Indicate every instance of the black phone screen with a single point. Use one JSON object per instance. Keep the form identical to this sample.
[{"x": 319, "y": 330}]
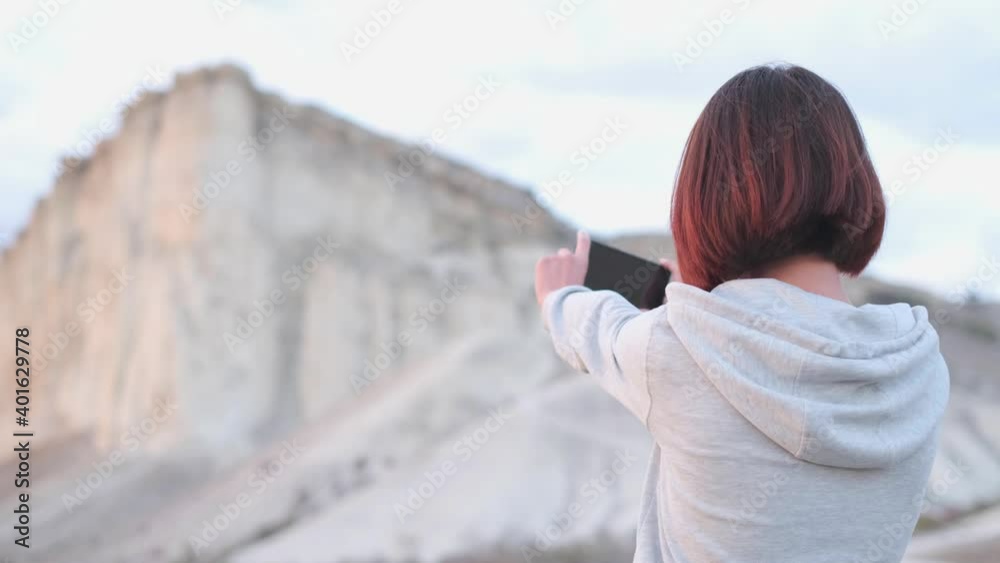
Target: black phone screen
[{"x": 639, "y": 281}]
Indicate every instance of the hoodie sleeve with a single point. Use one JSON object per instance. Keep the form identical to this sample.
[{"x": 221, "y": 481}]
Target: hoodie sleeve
[{"x": 600, "y": 333}]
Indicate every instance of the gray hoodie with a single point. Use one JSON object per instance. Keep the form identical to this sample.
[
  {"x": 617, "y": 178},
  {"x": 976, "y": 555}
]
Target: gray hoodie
[{"x": 787, "y": 426}]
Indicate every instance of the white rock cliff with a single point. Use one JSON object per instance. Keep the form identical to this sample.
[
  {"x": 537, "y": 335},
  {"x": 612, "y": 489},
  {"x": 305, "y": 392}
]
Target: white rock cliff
[{"x": 249, "y": 347}]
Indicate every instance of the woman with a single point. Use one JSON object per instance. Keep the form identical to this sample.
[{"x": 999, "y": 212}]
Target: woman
[{"x": 789, "y": 424}]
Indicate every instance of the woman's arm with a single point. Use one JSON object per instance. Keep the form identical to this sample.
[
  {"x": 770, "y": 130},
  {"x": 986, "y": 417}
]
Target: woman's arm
[
  {"x": 602, "y": 334},
  {"x": 596, "y": 332}
]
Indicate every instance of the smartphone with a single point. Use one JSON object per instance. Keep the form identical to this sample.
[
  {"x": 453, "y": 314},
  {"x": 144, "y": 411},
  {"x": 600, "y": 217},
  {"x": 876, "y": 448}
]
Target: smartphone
[{"x": 639, "y": 281}]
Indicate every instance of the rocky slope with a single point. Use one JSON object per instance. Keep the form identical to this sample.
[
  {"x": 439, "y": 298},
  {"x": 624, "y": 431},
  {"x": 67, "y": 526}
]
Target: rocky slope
[{"x": 250, "y": 348}]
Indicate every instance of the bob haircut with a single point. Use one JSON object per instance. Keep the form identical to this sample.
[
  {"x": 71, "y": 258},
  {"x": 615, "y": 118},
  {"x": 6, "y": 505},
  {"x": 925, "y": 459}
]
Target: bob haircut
[{"x": 776, "y": 166}]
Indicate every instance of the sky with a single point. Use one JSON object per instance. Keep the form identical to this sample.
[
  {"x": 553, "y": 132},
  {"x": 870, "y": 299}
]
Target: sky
[{"x": 598, "y": 93}]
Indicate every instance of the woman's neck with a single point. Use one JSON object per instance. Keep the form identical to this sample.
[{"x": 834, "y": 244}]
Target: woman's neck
[{"x": 810, "y": 273}]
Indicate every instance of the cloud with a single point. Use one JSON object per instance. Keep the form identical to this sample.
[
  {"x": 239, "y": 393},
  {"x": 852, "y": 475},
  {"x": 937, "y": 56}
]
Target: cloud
[{"x": 559, "y": 84}]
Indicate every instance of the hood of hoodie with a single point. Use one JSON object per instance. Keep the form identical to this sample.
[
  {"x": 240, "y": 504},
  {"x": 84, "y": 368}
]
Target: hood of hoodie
[{"x": 831, "y": 383}]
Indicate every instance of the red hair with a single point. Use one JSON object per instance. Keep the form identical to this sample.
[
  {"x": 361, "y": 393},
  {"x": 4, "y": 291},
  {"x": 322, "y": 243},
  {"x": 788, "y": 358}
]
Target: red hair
[{"x": 776, "y": 166}]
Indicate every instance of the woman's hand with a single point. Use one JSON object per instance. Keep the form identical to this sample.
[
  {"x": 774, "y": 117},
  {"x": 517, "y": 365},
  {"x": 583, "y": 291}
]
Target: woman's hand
[{"x": 562, "y": 269}]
